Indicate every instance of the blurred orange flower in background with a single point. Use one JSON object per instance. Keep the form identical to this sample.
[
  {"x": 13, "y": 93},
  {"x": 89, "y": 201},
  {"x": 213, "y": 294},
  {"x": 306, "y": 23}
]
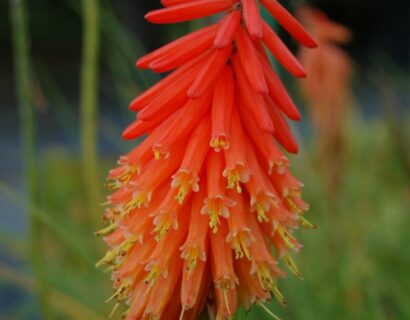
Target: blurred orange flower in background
[
  {"x": 199, "y": 202},
  {"x": 327, "y": 91}
]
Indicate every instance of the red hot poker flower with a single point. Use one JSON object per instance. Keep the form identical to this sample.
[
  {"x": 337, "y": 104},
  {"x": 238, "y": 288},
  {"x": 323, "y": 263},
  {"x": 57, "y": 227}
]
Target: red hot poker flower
[{"x": 199, "y": 204}]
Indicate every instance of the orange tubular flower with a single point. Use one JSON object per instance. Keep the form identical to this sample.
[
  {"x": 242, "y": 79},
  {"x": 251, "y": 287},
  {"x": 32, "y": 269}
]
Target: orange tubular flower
[{"x": 199, "y": 205}]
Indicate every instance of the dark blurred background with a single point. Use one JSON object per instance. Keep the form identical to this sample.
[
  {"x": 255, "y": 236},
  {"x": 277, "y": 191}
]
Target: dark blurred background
[{"x": 356, "y": 265}]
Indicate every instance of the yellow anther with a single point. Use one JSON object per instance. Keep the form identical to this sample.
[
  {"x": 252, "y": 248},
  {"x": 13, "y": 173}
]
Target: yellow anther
[
  {"x": 160, "y": 153},
  {"x": 157, "y": 155}
]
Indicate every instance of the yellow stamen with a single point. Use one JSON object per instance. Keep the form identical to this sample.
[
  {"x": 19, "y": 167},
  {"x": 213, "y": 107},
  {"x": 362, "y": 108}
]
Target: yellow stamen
[
  {"x": 160, "y": 153},
  {"x": 292, "y": 266},
  {"x": 225, "y": 294},
  {"x": 114, "y": 185},
  {"x": 291, "y": 202},
  {"x": 163, "y": 225},
  {"x": 234, "y": 180},
  {"x": 268, "y": 283},
  {"x": 106, "y": 203},
  {"x": 110, "y": 269},
  {"x": 287, "y": 237},
  {"x": 185, "y": 181},
  {"x": 157, "y": 155},
  {"x": 120, "y": 250},
  {"x": 225, "y": 284},
  {"x": 122, "y": 292},
  {"x": 152, "y": 276},
  {"x": 261, "y": 212},
  {"x": 278, "y": 295},
  {"x": 269, "y": 312},
  {"x": 214, "y": 220},
  {"x": 306, "y": 224},
  {"x": 113, "y": 310},
  {"x": 191, "y": 255},
  {"x": 219, "y": 143},
  {"x": 140, "y": 199},
  {"x": 240, "y": 246},
  {"x": 181, "y": 316},
  {"x": 182, "y": 192},
  {"x": 106, "y": 231},
  {"x": 127, "y": 174},
  {"x": 264, "y": 276}
]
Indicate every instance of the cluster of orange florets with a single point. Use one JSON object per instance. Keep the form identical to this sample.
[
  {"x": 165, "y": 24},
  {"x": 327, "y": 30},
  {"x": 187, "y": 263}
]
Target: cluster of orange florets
[{"x": 200, "y": 201}]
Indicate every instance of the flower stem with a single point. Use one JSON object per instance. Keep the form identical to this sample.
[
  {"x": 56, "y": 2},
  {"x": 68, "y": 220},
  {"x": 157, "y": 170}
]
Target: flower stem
[
  {"x": 88, "y": 107},
  {"x": 18, "y": 18}
]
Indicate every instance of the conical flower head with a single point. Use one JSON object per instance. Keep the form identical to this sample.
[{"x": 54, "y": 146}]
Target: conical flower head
[{"x": 198, "y": 206}]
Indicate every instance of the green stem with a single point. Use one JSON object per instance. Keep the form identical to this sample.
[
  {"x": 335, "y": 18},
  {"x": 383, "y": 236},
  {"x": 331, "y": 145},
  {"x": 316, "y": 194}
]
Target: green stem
[
  {"x": 28, "y": 139},
  {"x": 89, "y": 102}
]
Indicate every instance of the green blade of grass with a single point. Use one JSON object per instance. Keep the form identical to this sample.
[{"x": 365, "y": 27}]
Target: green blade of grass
[{"x": 60, "y": 230}]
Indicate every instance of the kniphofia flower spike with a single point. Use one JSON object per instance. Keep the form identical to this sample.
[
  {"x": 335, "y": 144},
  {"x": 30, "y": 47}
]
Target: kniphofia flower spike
[{"x": 199, "y": 204}]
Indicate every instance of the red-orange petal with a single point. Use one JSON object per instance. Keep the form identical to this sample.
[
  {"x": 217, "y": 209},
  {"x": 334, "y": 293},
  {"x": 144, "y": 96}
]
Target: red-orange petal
[
  {"x": 287, "y": 21},
  {"x": 253, "y": 101},
  {"x": 282, "y": 133},
  {"x": 137, "y": 128},
  {"x": 171, "y": 99},
  {"x": 153, "y": 92},
  {"x": 222, "y": 258},
  {"x": 265, "y": 144},
  {"x": 215, "y": 181},
  {"x": 281, "y": 52},
  {"x": 188, "y": 11},
  {"x": 252, "y": 17},
  {"x": 191, "y": 113},
  {"x": 222, "y": 105},
  {"x": 278, "y": 93},
  {"x": 192, "y": 40},
  {"x": 250, "y": 61},
  {"x": 188, "y": 50},
  {"x": 210, "y": 72},
  {"x": 227, "y": 29}
]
